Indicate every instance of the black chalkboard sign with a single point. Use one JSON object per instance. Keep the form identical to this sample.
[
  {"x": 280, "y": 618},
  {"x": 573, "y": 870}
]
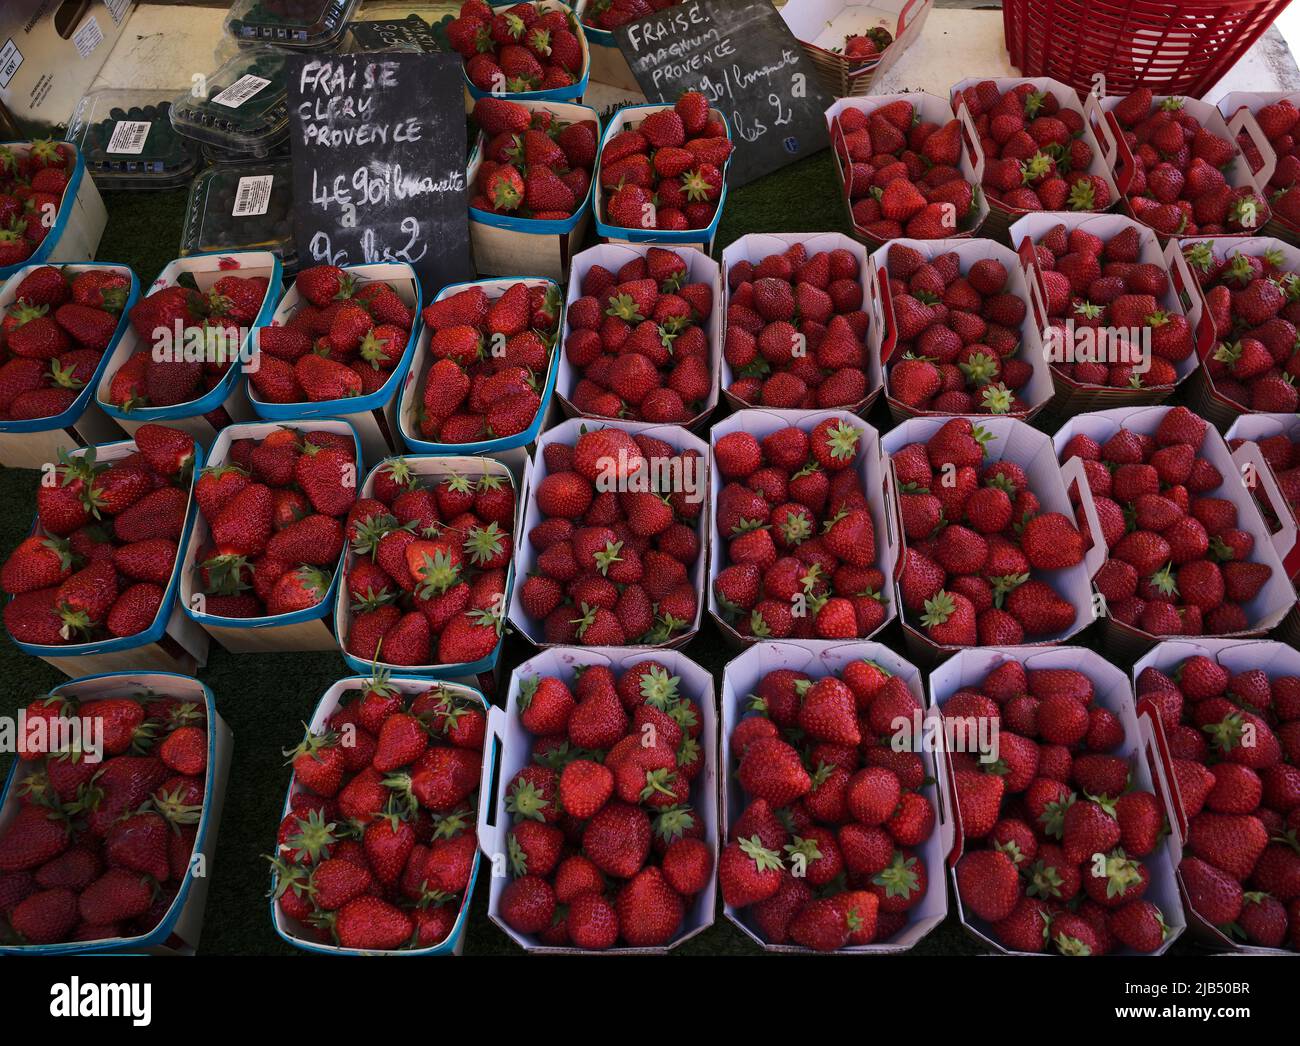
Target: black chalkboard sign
[
  {"x": 383, "y": 34},
  {"x": 742, "y": 56},
  {"x": 378, "y": 148}
]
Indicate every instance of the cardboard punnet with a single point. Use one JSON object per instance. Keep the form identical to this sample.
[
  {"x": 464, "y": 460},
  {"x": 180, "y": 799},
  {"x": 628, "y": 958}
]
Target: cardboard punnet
[
  {"x": 1239, "y": 109},
  {"x": 172, "y": 643},
  {"x": 1272, "y": 602},
  {"x": 1274, "y": 659},
  {"x": 1012, "y": 440},
  {"x": 1203, "y": 397},
  {"x": 507, "y": 733},
  {"x": 608, "y": 63},
  {"x": 177, "y": 933},
  {"x": 229, "y": 393},
  {"x": 741, "y": 677},
  {"x": 821, "y": 27},
  {"x": 1255, "y": 427},
  {"x": 871, "y": 467},
  {"x": 508, "y": 245},
  {"x": 629, "y": 117},
  {"x": 292, "y": 931},
  {"x": 932, "y": 109},
  {"x": 301, "y": 630},
  {"x": 31, "y": 444},
  {"x": 515, "y": 467},
  {"x": 574, "y": 92},
  {"x": 1073, "y": 397},
  {"x": 567, "y": 432},
  {"x": 1112, "y": 691},
  {"x": 79, "y": 221},
  {"x": 754, "y": 247},
  {"x": 373, "y": 416},
  {"x": 1036, "y": 392},
  {"x": 700, "y": 268},
  {"x": 411, "y": 398},
  {"x": 1001, "y": 215},
  {"x": 1119, "y": 158}
]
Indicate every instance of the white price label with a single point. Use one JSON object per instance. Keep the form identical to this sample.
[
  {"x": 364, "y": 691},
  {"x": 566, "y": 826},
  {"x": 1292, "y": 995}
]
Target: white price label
[
  {"x": 241, "y": 91},
  {"x": 88, "y": 37},
  {"x": 253, "y": 196},
  {"x": 129, "y": 136}
]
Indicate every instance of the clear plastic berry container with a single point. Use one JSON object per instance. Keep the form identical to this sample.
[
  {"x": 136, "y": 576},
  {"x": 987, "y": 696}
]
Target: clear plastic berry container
[
  {"x": 305, "y": 24},
  {"x": 219, "y": 157},
  {"x": 128, "y": 142},
  {"x": 242, "y": 208},
  {"x": 241, "y": 106}
]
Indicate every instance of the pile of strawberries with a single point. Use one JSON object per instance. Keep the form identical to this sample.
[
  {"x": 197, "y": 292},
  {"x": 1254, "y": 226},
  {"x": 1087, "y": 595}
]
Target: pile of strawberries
[
  {"x": 958, "y": 347},
  {"x": 606, "y": 844},
  {"x": 523, "y": 48},
  {"x": 1035, "y": 155},
  {"x": 902, "y": 173},
  {"x": 1278, "y": 122},
  {"x": 667, "y": 171},
  {"x": 868, "y": 45},
  {"x": 800, "y": 557},
  {"x": 275, "y": 509},
  {"x": 1178, "y": 184},
  {"x": 1179, "y": 562},
  {"x": 1104, "y": 285},
  {"x": 32, "y": 184},
  {"x": 639, "y": 342},
  {"x": 1055, "y": 829},
  {"x": 610, "y": 14},
  {"x": 796, "y": 330},
  {"x": 103, "y": 554},
  {"x": 534, "y": 164},
  {"x": 379, "y": 844},
  {"x": 489, "y": 357},
  {"x": 1252, "y": 300},
  {"x": 619, "y": 535},
  {"x": 53, "y": 336},
  {"x": 170, "y": 322},
  {"x": 974, "y": 536},
  {"x": 100, "y": 848},
  {"x": 343, "y": 340},
  {"x": 825, "y": 853},
  {"x": 427, "y": 577},
  {"x": 1234, "y": 740}
]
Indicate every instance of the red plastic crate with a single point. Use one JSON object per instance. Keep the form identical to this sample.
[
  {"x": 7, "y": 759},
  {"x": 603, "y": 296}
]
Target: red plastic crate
[{"x": 1173, "y": 48}]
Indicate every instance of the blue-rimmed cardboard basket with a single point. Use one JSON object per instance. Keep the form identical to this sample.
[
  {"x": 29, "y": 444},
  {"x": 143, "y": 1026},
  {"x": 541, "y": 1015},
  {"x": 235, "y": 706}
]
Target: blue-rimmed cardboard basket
[
  {"x": 608, "y": 63},
  {"x": 290, "y": 930},
  {"x": 173, "y": 643},
  {"x": 575, "y": 91},
  {"x": 413, "y": 385},
  {"x": 177, "y": 933},
  {"x": 515, "y": 465},
  {"x": 507, "y": 245},
  {"x": 374, "y": 416},
  {"x": 228, "y": 394},
  {"x": 32, "y": 443},
  {"x": 307, "y": 629},
  {"x": 79, "y": 223},
  {"x": 629, "y": 118},
  {"x": 505, "y": 730}
]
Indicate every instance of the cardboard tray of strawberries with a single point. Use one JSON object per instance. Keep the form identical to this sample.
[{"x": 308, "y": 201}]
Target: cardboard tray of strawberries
[
  {"x": 1228, "y": 507},
  {"x": 31, "y": 442},
  {"x": 608, "y": 63},
  {"x": 1272, "y": 115},
  {"x": 662, "y": 580},
  {"x": 437, "y": 928},
  {"x": 1072, "y": 395},
  {"x": 1042, "y": 717},
  {"x": 223, "y": 398},
  {"x": 73, "y": 230},
  {"x": 302, "y": 629},
  {"x": 832, "y": 34},
  {"x": 618, "y": 834},
  {"x": 1278, "y": 436},
  {"x": 910, "y": 889},
  {"x": 872, "y": 470},
  {"x": 510, "y": 67},
  {"x": 172, "y": 923},
  {"x": 991, "y": 383},
  {"x": 412, "y": 404},
  {"x": 512, "y": 469},
  {"x": 1231, "y": 808}
]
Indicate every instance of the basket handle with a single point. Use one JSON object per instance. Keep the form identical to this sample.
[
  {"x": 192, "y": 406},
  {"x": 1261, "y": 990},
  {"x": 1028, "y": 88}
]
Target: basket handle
[
  {"x": 1037, "y": 295},
  {"x": 1073, "y": 474},
  {"x": 1155, "y": 744},
  {"x": 1186, "y": 286},
  {"x": 1096, "y": 119},
  {"x": 1244, "y": 120},
  {"x": 888, "y": 332},
  {"x": 1248, "y": 455},
  {"x": 972, "y": 140},
  {"x": 905, "y": 14},
  {"x": 894, "y": 510},
  {"x": 491, "y": 836}
]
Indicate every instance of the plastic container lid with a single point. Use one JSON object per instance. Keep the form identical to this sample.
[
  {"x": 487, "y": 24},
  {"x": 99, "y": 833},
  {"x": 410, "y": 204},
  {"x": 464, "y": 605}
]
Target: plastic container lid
[
  {"x": 242, "y": 208},
  {"x": 303, "y": 24},
  {"x": 127, "y": 140},
  {"x": 244, "y": 108},
  {"x": 220, "y": 157}
]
